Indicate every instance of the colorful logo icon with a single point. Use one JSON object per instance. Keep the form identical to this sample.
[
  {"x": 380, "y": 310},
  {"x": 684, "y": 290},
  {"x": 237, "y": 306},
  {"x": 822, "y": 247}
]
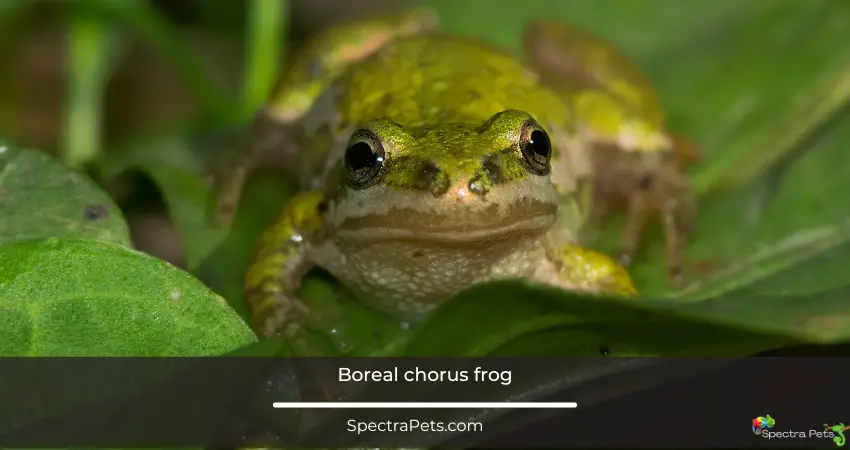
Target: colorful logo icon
[
  {"x": 762, "y": 423},
  {"x": 838, "y": 430}
]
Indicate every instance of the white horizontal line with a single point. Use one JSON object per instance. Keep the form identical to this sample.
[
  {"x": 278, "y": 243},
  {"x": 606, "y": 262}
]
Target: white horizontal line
[{"x": 424, "y": 405}]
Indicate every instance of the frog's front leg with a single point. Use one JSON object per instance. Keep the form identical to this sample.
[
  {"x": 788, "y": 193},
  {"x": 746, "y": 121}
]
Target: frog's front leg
[
  {"x": 578, "y": 268},
  {"x": 271, "y": 285}
]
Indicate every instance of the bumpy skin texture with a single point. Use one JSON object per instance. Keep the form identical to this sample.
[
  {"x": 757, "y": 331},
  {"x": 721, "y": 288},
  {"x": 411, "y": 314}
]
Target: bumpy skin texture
[{"x": 434, "y": 164}]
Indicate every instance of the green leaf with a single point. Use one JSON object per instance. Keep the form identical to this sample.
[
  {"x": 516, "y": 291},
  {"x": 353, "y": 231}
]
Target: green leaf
[
  {"x": 640, "y": 28},
  {"x": 746, "y": 119},
  {"x": 81, "y": 297},
  {"x": 39, "y": 197},
  {"x": 187, "y": 196}
]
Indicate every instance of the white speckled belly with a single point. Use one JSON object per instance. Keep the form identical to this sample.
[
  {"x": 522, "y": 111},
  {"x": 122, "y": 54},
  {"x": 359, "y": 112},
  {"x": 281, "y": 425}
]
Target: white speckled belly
[{"x": 408, "y": 279}]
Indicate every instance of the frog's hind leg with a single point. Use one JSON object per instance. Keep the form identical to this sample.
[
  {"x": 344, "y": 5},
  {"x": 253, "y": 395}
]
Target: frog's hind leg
[{"x": 645, "y": 183}]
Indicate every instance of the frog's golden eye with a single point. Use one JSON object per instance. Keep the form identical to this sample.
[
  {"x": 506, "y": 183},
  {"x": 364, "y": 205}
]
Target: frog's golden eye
[
  {"x": 536, "y": 148},
  {"x": 363, "y": 159}
]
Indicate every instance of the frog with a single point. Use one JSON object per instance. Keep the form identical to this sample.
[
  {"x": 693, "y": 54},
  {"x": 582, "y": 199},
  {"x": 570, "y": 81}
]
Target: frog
[{"x": 428, "y": 164}]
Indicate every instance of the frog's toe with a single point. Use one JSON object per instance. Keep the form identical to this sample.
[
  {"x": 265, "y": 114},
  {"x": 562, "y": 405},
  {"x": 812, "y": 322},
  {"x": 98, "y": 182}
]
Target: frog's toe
[
  {"x": 329, "y": 323},
  {"x": 638, "y": 211},
  {"x": 302, "y": 342},
  {"x": 674, "y": 275},
  {"x": 333, "y": 327},
  {"x": 679, "y": 217}
]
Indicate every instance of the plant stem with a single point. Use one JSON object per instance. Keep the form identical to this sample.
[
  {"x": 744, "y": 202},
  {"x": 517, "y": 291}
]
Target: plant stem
[
  {"x": 88, "y": 41},
  {"x": 264, "y": 47}
]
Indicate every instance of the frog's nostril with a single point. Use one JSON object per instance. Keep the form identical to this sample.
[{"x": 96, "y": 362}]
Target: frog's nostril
[
  {"x": 428, "y": 173},
  {"x": 486, "y": 177},
  {"x": 479, "y": 185},
  {"x": 434, "y": 179}
]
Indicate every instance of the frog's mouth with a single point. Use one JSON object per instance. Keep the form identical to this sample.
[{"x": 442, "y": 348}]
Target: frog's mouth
[
  {"x": 447, "y": 225},
  {"x": 381, "y": 213}
]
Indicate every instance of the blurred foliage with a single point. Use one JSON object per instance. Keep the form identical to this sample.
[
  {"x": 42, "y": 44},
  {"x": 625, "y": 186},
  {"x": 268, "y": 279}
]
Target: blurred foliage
[{"x": 760, "y": 93}]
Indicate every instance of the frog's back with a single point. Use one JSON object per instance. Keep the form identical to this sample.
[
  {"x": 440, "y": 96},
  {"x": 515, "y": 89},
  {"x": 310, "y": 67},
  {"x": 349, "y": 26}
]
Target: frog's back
[{"x": 437, "y": 79}]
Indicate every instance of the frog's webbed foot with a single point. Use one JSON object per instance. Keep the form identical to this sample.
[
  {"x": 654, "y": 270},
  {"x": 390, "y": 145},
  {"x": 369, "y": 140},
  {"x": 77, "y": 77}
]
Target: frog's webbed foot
[
  {"x": 273, "y": 280},
  {"x": 578, "y": 268},
  {"x": 267, "y": 144},
  {"x": 665, "y": 189}
]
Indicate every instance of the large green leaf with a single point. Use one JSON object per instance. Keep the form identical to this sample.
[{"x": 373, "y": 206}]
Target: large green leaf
[
  {"x": 39, "y": 197},
  {"x": 70, "y": 284},
  {"x": 82, "y": 297}
]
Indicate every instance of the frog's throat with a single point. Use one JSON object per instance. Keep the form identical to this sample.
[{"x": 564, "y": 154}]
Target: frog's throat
[{"x": 381, "y": 213}]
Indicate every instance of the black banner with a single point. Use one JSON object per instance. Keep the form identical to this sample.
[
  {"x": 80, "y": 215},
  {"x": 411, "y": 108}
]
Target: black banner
[{"x": 228, "y": 402}]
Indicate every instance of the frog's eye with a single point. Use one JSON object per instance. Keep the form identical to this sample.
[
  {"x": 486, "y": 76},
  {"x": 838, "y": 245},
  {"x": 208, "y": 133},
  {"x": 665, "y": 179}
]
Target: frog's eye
[
  {"x": 363, "y": 159},
  {"x": 536, "y": 148}
]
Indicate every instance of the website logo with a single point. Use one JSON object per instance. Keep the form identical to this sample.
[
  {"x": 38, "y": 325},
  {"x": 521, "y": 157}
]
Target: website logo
[
  {"x": 762, "y": 427},
  {"x": 762, "y": 423},
  {"x": 838, "y": 433}
]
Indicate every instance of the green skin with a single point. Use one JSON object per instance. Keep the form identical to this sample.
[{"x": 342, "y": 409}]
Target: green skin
[{"x": 466, "y": 190}]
